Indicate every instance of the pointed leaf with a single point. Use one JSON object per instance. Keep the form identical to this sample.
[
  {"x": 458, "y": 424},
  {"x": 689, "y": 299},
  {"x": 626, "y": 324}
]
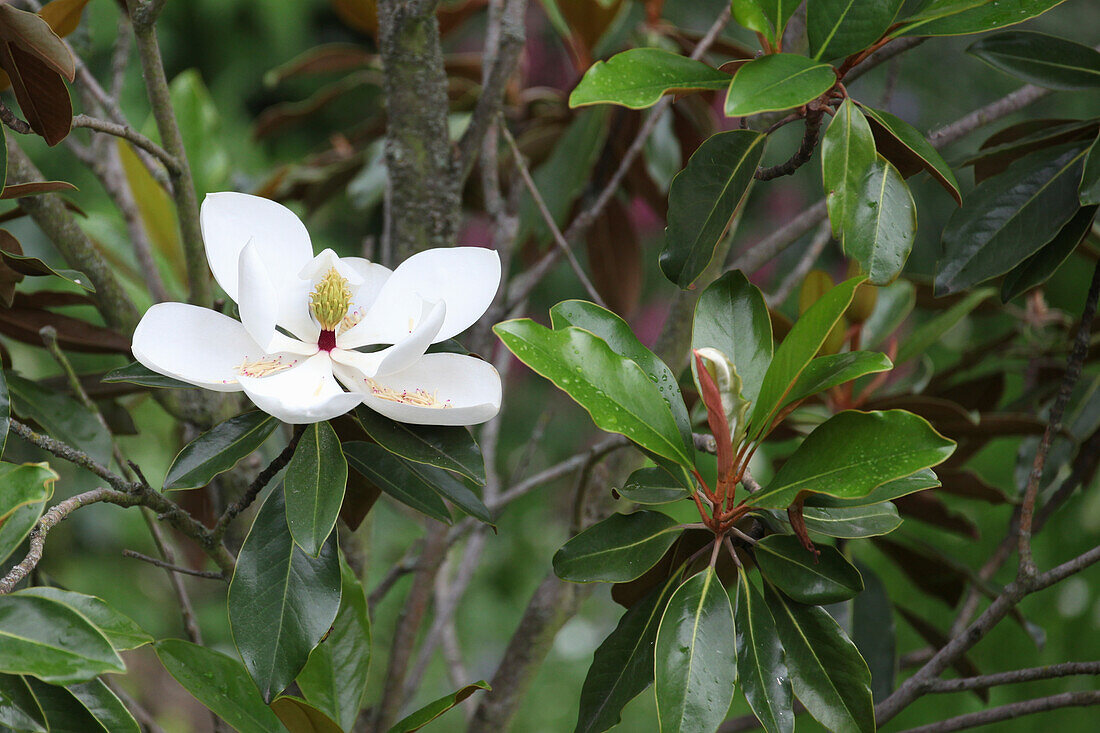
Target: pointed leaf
[
  {"x": 1035, "y": 270},
  {"x": 52, "y": 642},
  {"x": 653, "y": 486},
  {"x": 874, "y": 634},
  {"x": 104, "y": 705},
  {"x": 1090, "y": 176},
  {"x": 614, "y": 390},
  {"x": 64, "y": 713},
  {"x": 433, "y": 710},
  {"x": 314, "y": 487},
  {"x": 826, "y": 578},
  {"x": 892, "y": 306},
  {"x": 919, "y": 481},
  {"x": 827, "y": 673},
  {"x": 847, "y": 152},
  {"x": 731, "y": 316},
  {"x": 847, "y": 522},
  {"x": 218, "y": 450},
  {"x": 775, "y": 13},
  {"x": 909, "y": 151},
  {"x": 396, "y": 478},
  {"x": 281, "y": 601},
  {"x": 1047, "y": 61},
  {"x": 59, "y": 415},
  {"x": 826, "y": 372},
  {"x": 638, "y": 78},
  {"x": 453, "y": 489},
  {"x": 121, "y": 631},
  {"x": 452, "y": 448},
  {"x": 34, "y": 267},
  {"x": 18, "y": 707},
  {"x": 929, "y": 332},
  {"x": 883, "y": 226},
  {"x": 703, "y": 198},
  {"x": 837, "y": 28},
  {"x": 618, "y": 549},
  {"x": 761, "y": 669},
  {"x": 136, "y": 373},
  {"x": 300, "y": 717},
  {"x": 218, "y": 682},
  {"x": 777, "y": 82},
  {"x": 955, "y": 18},
  {"x": 854, "y": 452}
]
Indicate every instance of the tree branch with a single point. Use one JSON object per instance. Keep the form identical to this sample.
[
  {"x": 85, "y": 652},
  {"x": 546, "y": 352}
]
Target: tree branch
[
  {"x": 128, "y": 133},
  {"x": 1010, "y": 711},
  {"x": 211, "y": 574},
  {"x": 262, "y": 479},
  {"x": 801, "y": 156},
  {"x": 1066, "y": 669}
]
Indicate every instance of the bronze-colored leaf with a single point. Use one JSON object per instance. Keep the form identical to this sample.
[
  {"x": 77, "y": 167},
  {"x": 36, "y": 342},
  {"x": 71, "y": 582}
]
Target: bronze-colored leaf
[
  {"x": 360, "y": 15},
  {"x": 925, "y": 506},
  {"x": 615, "y": 258},
  {"x": 588, "y": 21},
  {"x": 74, "y": 334},
  {"x": 9, "y": 276},
  {"x": 969, "y": 485},
  {"x": 34, "y": 36},
  {"x": 40, "y": 91},
  {"x": 323, "y": 59},
  {"x": 63, "y": 16},
  {"x": 35, "y": 188},
  {"x": 927, "y": 572}
]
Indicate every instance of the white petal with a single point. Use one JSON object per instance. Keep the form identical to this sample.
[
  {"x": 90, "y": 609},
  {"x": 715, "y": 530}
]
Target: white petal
[
  {"x": 193, "y": 344},
  {"x": 402, "y": 354},
  {"x": 373, "y": 276},
  {"x": 327, "y": 260},
  {"x": 307, "y": 393},
  {"x": 257, "y": 301},
  {"x": 469, "y": 386},
  {"x": 230, "y": 220},
  {"x": 465, "y": 278}
]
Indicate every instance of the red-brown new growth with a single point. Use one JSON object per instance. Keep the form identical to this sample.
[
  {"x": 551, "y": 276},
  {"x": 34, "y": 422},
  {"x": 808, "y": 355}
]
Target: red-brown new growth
[{"x": 719, "y": 426}]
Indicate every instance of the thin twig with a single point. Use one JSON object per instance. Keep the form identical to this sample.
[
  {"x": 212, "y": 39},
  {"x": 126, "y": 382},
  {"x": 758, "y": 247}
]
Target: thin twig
[
  {"x": 801, "y": 156},
  {"x": 1066, "y": 669},
  {"x": 558, "y": 470},
  {"x": 14, "y": 121},
  {"x": 1010, "y": 711},
  {"x": 130, "y": 134},
  {"x": 822, "y": 238},
  {"x": 211, "y": 574},
  {"x": 398, "y": 570},
  {"x": 262, "y": 479}
]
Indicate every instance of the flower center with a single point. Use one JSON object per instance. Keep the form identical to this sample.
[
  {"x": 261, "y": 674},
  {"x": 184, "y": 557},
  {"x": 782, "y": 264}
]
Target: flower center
[
  {"x": 329, "y": 302},
  {"x": 418, "y": 397}
]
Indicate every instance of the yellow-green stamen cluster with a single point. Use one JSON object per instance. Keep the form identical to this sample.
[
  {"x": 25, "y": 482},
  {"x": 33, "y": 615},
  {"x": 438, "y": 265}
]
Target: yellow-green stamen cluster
[{"x": 330, "y": 300}]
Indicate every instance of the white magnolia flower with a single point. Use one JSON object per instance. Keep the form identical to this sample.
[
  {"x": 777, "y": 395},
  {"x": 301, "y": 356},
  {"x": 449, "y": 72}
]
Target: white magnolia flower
[{"x": 332, "y": 307}]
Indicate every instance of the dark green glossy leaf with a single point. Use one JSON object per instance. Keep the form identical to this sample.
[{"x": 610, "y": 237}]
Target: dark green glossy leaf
[
  {"x": 218, "y": 682},
  {"x": 1015, "y": 141},
  {"x": 653, "y": 485},
  {"x": 103, "y": 705},
  {"x": 847, "y": 152},
  {"x": 827, "y": 673},
  {"x": 64, "y": 713},
  {"x": 731, "y": 316},
  {"x": 622, "y": 665},
  {"x": 121, "y": 631},
  {"x": 960, "y": 17},
  {"x": 18, "y": 707},
  {"x": 52, "y": 642},
  {"x": 1047, "y": 61},
  {"x": 1035, "y": 270},
  {"x": 618, "y": 549},
  {"x": 929, "y": 332},
  {"x": 765, "y": 16},
  {"x": 838, "y": 28},
  {"x": 451, "y": 488},
  {"x": 34, "y": 267},
  {"x": 909, "y": 151},
  {"x": 1009, "y": 217},
  {"x": 281, "y": 601},
  {"x": 703, "y": 198},
  {"x": 390, "y": 474},
  {"x": 826, "y": 578},
  {"x": 695, "y": 656},
  {"x": 847, "y": 522},
  {"x": 452, "y": 448},
  {"x": 854, "y": 452},
  {"x": 777, "y": 82},
  {"x": 18, "y": 524},
  {"x": 919, "y": 481},
  {"x": 136, "y": 373},
  {"x": 335, "y": 677},
  {"x": 883, "y": 226},
  {"x": 761, "y": 669},
  {"x": 1090, "y": 176},
  {"x": 300, "y": 717},
  {"x": 830, "y": 370},
  {"x": 796, "y": 351},
  {"x": 5, "y": 405},
  {"x": 218, "y": 450},
  {"x": 614, "y": 390},
  {"x": 893, "y": 305},
  {"x": 874, "y": 634},
  {"x": 314, "y": 487},
  {"x": 59, "y": 415},
  {"x": 638, "y": 78},
  {"x": 433, "y": 710}
]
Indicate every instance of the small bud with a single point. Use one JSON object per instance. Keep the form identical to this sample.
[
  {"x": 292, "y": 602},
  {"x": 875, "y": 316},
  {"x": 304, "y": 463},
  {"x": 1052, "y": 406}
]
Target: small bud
[
  {"x": 729, "y": 384},
  {"x": 814, "y": 287}
]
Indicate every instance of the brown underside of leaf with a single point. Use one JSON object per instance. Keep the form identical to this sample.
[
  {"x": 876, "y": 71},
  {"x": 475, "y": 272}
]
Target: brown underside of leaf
[{"x": 40, "y": 91}]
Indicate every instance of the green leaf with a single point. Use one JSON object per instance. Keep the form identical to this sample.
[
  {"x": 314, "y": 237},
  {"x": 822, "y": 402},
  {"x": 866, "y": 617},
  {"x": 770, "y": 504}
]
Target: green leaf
[
  {"x": 314, "y": 487},
  {"x": 622, "y": 665},
  {"x": 52, "y": 642},
  {"x": 1090, "y": 176},
  {"x": 451, "y": 488},
  {"x": 854, "y": 452},
  {"x": 103, "y": 705},
  {"x": 1035, "y": 270},
  {"x": 136, "y": 373},
  {"x": 919, "y": 481},
  {"x": 796, "y": 351},
  {"x": 300, "y": 717},
  {"x": 695, "y": 665},
  {"x": 281, "y": 601},
  {"x": 827, "y": 673},
  {"x": 751, "y": 15},
  {"x": 962, "y": 17},
  {"x": 5, "y": 401},
  {"x": 873, "y": 633},
  {"x": 894, "y": 304},
  {"x": 909, "y": 151},
  {"x": 218, "y": 682},
  {"x": 59, "y": 415},
  {"x": 390, "y": 474},
  {"x": 847, "y": 152},
  {"x": 18, "y": 707},
  {"x": 837, "y": 28},
  {"x": 775, "y": 12},
  {"x": 928, "y": 333},
  {"x": 618, "y": 549},
  {"x": 335, "y": 677},
  {"x": 24, "y": 485},
  {"x": 452, "y": 448},
  {"x": 653, "y": 485},
  {"x": 218, "y": 450},
  {"x": 433, "y": 710},
  {"x": 121, "y": 631},
  {"x": 847, "y": 522},
  {"x": 826, "y": 578},
  {"x": 1047, "y": 61},
  {"x": 34, "y": 267},
  {"x": 830, "y": 370},
  {"x": 883, "y": 226},
  {"x": 21, "y": 521},
  {"x": 638, "y": 78},
  {"x": 761, "y": 669},
  {"x": 201, "y": 129},
  {"x": 1009, "y": 217},
  {"x": 614, "y": 390},
  {"x": 777, "y": 82},
  {"x": 64, "y": 713},
  {"x": 731, "y": 316},
  {"x": 703, "y": 198}
]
